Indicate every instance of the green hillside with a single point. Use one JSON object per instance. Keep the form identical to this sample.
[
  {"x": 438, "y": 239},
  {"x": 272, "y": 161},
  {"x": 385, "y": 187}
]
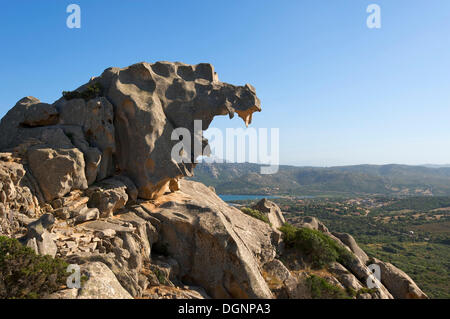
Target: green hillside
[{"x": 245, "y": 178}]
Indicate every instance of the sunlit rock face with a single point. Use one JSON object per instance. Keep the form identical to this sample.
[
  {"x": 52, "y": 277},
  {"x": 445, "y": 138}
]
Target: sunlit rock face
[
  {"x": 123, "y": 121},
  {"x": 151, "y": 100}
]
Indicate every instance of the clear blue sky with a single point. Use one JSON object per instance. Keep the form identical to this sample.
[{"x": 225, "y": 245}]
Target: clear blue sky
[{"x": 339, "y": 92}]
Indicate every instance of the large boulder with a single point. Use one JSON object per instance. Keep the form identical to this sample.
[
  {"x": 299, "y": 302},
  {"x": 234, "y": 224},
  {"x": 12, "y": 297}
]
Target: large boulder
[
  {"x": 151, "y": 100},
  {"x": 28, "y": 112},
  {"x": 95, "y": 118},
  {"x": 38, "y": 236},
  {"x": 111, "y": 194},
  {"x": 123, "y": 243},
  {"x": 19, "y": 204},
  {"x": 345, "y": 277},
  {"x": 217, "y": 246},
  {"x": 350, "y": 242},
  {"x": 55, "y": 164},
  {"x": 101, "y": 283},
  {"x": 123, "y": 123},
  {"x": 57, "y": 171},
  {"x": 272, "y": 211},
  {"x": 97, "y": 149},
  {"x": 400, "y": 285},
  {"x": 282, "y": 282},
  {"x": 16, "y": 190},
  {"x": 365, "y": 275},
  {"x": 311, "y": 223},
  {"x": 92, "y": 155}
]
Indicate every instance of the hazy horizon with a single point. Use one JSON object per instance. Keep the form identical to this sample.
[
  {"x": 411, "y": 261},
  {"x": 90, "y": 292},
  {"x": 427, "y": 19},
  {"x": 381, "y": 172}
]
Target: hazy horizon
[{"x": 429, "y": 165}]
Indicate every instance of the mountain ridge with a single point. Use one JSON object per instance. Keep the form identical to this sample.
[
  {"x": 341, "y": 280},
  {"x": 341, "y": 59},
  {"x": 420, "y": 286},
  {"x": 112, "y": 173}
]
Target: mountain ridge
[{"x": 390, "y": 179}]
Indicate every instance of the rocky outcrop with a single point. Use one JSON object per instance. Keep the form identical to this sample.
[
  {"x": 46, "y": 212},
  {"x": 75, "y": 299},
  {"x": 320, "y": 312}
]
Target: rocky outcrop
[
  {"x": 283, "y": 283},
  {"x": 123, "y": 122},
  {"x": 399, "y": 284},
  {"x": 272, "y": 211},
  {"x": 38, "y": 236},
  {"x": 28, "y": 112},
  {"x": 100, "y": 284},
  {"x": 110, "y": 195},
  {"x": 95, "y": 118},
  {"x": 151, "y": 100},
  {"x": 18, "y": 203},
  {"x": 58, "y": 171},
  {"x": 350, "y": 242},
  {"x": 92, "y": 179},
  {"x": 356, "y": 274},
  {"x": 345, "y": 277},
  {"x": 217, "y": 246},
  {"x": 312, "y": 223}
]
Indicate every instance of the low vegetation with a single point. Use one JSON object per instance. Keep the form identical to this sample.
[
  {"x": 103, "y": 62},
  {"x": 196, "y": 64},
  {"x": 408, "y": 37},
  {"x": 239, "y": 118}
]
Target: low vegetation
[
  {"x": 415, "y": 203},
  {"x": 24, "y": 274},
  {"x": 322, "y": 289},
  {"x": 256, "y": 214},
  {"x": 92, "y": 91},
  {"x": 411, "y": 233},
  {"x": 320, "y": 249}
]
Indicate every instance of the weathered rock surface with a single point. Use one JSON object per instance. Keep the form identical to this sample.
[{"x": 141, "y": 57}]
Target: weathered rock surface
[
  {"x": 399, "y": 284},
  {"x": 85, "y": 179},
  {"x": 126, "y": 126},
  {"x": 28, "y": 112},
  {"x": 57, "y": 171},
  {"x": 123, "y": 243},
  {"x": 217, "y": 246},
  {"x": 109, "y": 195},
  {"x": 18, "y": 203},
  {"x": 272, "y": 211},
  {"x": 38, "y": 236},
  {"x": 95, "y": 118},
  {"x": 345, "y": 277},
  {"x": 100, "y": 284},
  {"x": 185, "y": 292},
  {"x": 151, "y": 100},
  {"x": 312, "y": 223},
  {"x": 350, "y": 242},
  {"x": 282, "y": 282}
]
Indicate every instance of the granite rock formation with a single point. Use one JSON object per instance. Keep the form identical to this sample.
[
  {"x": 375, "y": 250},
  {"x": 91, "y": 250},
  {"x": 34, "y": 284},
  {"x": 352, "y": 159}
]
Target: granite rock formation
[{"x": 91, "y": 179}]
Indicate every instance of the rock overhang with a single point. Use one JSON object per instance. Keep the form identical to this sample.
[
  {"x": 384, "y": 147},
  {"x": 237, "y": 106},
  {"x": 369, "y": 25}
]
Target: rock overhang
[{"x": 139, "y": 107}]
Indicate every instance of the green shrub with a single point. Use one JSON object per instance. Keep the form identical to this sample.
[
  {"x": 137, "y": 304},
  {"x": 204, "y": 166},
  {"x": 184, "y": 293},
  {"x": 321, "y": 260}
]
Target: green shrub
[
  {"x": 161, "y": 276},
  {"x": 256, "y": 214},
  {"x": 389, "y": 249},
  {"x": 322, "y": 289},
  {"x": 92, "y": 91},
  {"x": 24, "y": 274},
  {"x": 320, "y": 248}
]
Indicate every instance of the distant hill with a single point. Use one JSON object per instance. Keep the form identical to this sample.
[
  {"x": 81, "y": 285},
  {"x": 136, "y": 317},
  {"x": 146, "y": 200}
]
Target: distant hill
[
  {"x": 393, "y": 179},
  {"x": 435, "y": 165}
]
